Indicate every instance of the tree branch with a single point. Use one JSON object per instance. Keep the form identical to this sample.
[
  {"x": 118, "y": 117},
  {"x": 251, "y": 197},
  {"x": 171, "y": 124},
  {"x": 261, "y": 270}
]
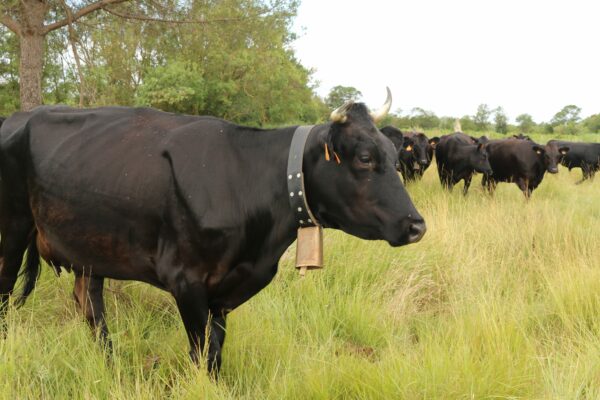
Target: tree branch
[
  {"x": 84, "y": 11},
  {"x": 10, "y": 23},
  {"x": 177, "y": 21},
  {"x": 75, "y": 52}
]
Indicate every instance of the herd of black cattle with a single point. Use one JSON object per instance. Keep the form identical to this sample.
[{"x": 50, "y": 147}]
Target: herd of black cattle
[
  {"x": 516, "y": 159},
  {"x": 200, "y": 207}
]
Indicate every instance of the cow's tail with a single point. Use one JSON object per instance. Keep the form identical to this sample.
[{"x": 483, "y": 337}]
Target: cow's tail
[{"x": 31, "y": 272}]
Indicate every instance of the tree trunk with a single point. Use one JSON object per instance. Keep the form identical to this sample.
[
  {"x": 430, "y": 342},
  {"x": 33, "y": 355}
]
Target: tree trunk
[
  {"x": 32, "y": 63},
  {"x": 32, "y": 52}
]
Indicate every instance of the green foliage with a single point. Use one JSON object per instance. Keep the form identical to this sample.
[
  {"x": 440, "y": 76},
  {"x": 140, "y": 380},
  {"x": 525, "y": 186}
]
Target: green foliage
[
  {"x": 525, "y": 122},
  {"x": 592, "y": 123},
  {"x": 9, "y": 72},
  {"x": 468, "y": 124},
  {"x": 568, "y": 115},
  {"x": 175, "y": 87},
  {"x": 500, "y": 121},
  {"x": 423, "y": 119},
  {"x": 481, "y": 117},
  {"x": 234, "y": 62},
  {"x": 338, "y": 95}
]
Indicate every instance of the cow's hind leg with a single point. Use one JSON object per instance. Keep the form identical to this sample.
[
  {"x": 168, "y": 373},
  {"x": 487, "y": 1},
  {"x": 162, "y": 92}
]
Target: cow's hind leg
[
  {"x": 585, "y": 169},
  {"x": 446, "y": 180},
  {"x": 199, "y": 324},
  {"x": 88, "y": 293}
]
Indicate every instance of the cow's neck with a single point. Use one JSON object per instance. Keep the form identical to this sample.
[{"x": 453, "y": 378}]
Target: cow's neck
[{"x": 274, "y": 204}]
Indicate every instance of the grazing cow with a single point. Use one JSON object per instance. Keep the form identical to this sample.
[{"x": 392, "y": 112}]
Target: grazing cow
[
  {"x": 522, "y": 162},
  {"x": 415, "y": 151},
  {"x": 196, "y": 206},
  {"x": 581, "y": 155},
  {"x": 458, "y": 158}
]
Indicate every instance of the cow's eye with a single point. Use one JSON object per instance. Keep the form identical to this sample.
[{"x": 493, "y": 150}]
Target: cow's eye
[{"x": 365, "y": 158}]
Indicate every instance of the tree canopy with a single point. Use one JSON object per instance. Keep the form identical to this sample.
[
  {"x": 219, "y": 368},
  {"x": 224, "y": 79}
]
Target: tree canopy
[{"x": 229, "y": 58}]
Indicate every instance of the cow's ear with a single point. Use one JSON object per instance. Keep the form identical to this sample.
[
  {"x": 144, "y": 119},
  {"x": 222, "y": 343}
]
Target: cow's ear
[
  {"x": 538, "y": 149},
  {"x": 434, "y": 141},
  {"x": 563, "y": 150}
]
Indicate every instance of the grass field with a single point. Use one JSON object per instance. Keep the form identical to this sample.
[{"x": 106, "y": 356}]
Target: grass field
[{"x": 501, "y": 299}]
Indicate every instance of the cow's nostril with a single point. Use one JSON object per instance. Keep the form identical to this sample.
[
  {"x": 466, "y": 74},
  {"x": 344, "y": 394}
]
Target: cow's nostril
[{"x": 416, "y": 230}]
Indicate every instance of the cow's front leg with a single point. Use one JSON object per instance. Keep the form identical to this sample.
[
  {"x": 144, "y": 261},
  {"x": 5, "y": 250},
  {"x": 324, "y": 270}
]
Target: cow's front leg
[
  {"x": 467, "y": 184},
  {"x": 525, "y": 187},
  {"x": 193, "y": 307}
]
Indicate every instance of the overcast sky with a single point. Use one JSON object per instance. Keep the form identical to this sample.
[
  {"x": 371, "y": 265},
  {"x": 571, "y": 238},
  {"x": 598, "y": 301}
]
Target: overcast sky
[{"x": 527, "y": 56}]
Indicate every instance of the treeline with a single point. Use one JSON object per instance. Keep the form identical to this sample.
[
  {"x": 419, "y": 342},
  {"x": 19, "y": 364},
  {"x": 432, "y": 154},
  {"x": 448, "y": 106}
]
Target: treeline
[
  {"x": 567, "y": 121},
  {"x": 230, "y": 58}
]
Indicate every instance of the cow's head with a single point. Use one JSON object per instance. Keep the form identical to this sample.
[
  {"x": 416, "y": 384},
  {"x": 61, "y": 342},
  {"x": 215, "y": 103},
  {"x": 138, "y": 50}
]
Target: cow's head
[
  {"x": 397, "y": 138},
  {"x": 520, "y": 136},
  {"x": 358, "y": 189},
  {"x": 551, "y": 155},
  {"x": 414, "y": 151},
  {"x": 478, "y": 158}
]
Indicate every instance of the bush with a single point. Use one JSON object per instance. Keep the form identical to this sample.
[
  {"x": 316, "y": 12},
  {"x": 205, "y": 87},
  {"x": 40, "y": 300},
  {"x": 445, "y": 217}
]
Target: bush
[{"x": 175, "y": 87}]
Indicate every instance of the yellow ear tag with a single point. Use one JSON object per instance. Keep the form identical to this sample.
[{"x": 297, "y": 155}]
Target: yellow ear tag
[
  {"x": 409, "y": 148},
  {"x": 326, "y": 152}
]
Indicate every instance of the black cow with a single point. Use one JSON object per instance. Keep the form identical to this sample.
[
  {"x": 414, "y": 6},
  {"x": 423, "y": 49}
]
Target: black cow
[
  {"x": 581, "y": 155},
  {"x": 520, "y": 136},
  {"x": 521, "y": 161},
  {"x": 196, "y": 206},
  {"x": 458, "y": 158},
  {"x": 415, "y": 151}
]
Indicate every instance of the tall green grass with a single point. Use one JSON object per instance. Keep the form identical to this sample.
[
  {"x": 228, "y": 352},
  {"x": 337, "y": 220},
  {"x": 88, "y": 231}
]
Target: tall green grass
[{"x": 501, "y": 299}]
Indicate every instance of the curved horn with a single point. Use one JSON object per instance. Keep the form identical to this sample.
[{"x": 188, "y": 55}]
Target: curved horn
[
  {"x": 339, "y": 114},
  {"x": 382, "y": 112}
]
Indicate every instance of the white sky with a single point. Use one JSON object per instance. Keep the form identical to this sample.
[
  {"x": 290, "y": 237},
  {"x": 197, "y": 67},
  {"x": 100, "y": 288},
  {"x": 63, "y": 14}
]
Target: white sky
[{"x": 448, "y": 57}]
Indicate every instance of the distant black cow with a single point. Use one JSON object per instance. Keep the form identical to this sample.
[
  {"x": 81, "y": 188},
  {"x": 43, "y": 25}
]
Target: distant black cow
[
  {"x": 520, "y": 136},
  {"x": 458, "y": 158},
  {"x": 522, "y": 162},
  {"x": 415, "y": 151},
  {"x": 581, "y": 155},
  {"x": 196, "y": 206}
]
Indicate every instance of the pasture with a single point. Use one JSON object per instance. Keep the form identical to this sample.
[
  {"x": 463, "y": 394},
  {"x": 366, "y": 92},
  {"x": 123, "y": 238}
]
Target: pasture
[{"x": 500, "y": 299}]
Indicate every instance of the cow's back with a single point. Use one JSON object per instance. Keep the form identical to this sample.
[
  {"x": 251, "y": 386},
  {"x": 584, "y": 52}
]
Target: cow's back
[
  {"x": 96, "y": 179},
  {"x": 579, "y": 154},
  {"x": 513, "y": 158}
]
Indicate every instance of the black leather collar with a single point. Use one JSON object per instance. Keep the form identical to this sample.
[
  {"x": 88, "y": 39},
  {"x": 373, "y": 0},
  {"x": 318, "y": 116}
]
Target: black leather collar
[{"x": 295, "y": 179}]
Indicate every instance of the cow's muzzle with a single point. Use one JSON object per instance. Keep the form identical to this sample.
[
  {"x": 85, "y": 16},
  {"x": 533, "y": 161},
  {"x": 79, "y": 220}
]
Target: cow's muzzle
[
  {"x": 408, "y": 231},
  {"x": 416, "y": 231}
]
